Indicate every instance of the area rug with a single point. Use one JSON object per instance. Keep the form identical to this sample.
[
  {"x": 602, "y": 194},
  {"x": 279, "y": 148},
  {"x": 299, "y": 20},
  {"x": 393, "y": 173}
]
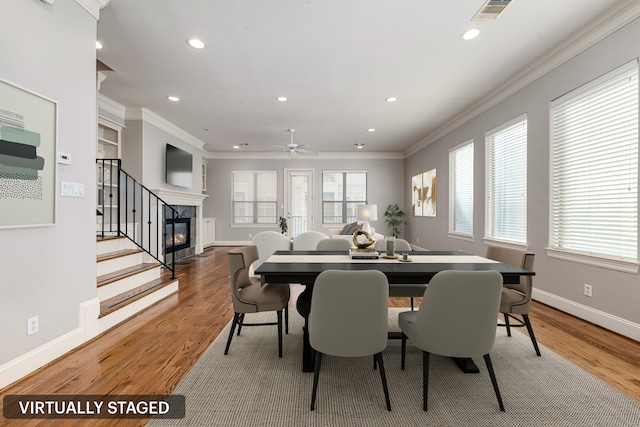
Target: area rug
[{"x": 251, "y": 386}]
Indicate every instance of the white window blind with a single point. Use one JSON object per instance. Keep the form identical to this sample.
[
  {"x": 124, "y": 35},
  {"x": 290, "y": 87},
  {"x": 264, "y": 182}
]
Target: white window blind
[
  {"x": 461, "y": 189},
  {"x": 595, "y": 167},
  {"x": 506, "y": 182}
]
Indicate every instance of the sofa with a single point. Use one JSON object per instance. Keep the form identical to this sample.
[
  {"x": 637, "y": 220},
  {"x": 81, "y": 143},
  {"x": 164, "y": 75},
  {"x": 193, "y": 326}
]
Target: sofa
[{"x": 347, "y": 231}]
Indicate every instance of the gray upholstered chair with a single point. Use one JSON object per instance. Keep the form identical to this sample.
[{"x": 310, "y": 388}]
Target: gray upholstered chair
[
  {"x": 401, "y": 245},
  {"x": 333, "y": 245},
  {"x": 307, "y": 241},
  {"x": 470, "y": 332},
  {"x": 516, "y": 299},
  {"x": 349, "y": 316},
  {"x": 250, "y": 296},
  {"x": 409, "y": 290},
  {"x": 267, "y": 243}
]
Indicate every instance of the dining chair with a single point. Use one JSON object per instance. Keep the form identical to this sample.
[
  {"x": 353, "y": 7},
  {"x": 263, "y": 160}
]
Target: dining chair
[
  {"x": 401, "y": 245},
  {"x": 470, "y": 332},
  {"x": 307, "y": 241},
  {"x": 408, "y": 290},
  {"x": 516, "y": 298},
  {"x": 267, "y": 243},
  {"x": 333, "y": 245},
  {"x": 349, "y": 316},
  {"x": 250, "y": 296}
]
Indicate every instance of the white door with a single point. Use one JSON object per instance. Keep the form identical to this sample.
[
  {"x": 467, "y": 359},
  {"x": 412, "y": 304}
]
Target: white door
[{"x": 299, "y": 201}]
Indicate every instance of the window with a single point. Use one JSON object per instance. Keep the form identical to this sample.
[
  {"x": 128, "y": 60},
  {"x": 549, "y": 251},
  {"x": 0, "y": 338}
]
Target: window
[
  {"x": 506, "y": 181},
  {"x": 461, "y": 189},
  {"x": 342, "y": 192},
  {"x": 594, "y": 182},
  {"x": 255, "y": 197}
]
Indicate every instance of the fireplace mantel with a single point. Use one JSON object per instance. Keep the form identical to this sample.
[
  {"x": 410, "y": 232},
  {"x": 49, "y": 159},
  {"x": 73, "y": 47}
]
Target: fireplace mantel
[{"x": 172, "y": 197}]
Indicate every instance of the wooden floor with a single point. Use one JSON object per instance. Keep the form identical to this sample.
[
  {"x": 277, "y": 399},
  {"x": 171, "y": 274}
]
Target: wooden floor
[{"x": 152, "y": 352}]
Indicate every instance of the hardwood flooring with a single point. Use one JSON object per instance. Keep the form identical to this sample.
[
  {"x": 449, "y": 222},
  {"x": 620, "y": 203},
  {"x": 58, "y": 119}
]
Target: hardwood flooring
[{"x": 152, "y": 352}]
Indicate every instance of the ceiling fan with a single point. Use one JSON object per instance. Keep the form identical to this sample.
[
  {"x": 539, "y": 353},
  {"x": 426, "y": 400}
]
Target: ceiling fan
[{"x": 293, "y": 149}]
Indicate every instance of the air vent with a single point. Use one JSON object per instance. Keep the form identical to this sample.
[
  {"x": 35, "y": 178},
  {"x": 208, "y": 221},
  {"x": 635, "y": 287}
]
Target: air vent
[{"x": 491, "y": 10}]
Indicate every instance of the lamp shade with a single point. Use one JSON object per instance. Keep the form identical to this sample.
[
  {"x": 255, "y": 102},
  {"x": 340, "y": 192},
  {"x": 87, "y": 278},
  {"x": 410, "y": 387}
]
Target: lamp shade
[{"x": 367, "y": 213}]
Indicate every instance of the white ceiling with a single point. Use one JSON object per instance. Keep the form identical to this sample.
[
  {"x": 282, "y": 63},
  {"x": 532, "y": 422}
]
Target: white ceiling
[{"x": 335, "y": 60}]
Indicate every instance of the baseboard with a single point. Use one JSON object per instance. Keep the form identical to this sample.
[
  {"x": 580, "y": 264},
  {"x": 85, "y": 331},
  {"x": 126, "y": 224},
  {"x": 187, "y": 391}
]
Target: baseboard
[
  {"x": 27, "y": 363},
  {"x": 18, "y": 368},
  {"x": 600, "y": 318}
]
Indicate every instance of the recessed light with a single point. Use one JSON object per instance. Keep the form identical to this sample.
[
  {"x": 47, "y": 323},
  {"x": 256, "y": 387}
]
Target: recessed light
[
  {"x": 237, "y": 147},
  {"x": 196, "y": 43},
  {"x": 99, "y": 45},
  {"x": 173, "y": 98},
  {"x": 282, "y": 98},
  {"x": 371, "y": 130},
  {"x": 359, "y": 146},
  {"x": 391, "y": 99},
  {"x": 470, "y": 34}
]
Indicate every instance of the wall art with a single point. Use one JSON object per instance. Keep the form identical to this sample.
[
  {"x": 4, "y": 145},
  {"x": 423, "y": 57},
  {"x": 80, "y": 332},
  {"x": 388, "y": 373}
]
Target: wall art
[{"x": 28, "y": 128}]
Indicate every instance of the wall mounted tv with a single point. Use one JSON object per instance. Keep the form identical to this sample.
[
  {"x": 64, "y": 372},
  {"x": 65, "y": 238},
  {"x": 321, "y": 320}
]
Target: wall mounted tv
[{"x": 179, "y": 167}]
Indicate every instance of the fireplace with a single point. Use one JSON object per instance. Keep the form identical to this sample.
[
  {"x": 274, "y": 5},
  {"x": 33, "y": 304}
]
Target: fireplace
[{"x": 177, "y": 234}]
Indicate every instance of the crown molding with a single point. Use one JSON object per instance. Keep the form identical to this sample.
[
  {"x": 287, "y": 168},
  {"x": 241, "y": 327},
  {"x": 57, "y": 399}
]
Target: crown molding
[
  {"x": 111, "y": 106},
  {"x": 93, "y": 6},
  {"x": 285, "y": 156},
  {"x": 603, "y": 26},
  {"x": 162, "y": 123}
]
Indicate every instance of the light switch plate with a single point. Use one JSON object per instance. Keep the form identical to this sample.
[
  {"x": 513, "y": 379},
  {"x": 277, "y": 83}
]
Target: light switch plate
[{"x": 71, "y": 189}]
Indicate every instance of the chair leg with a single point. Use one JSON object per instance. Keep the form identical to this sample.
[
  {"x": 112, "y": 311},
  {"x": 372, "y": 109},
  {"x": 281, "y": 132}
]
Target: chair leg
[
  {"x": 506, "y": 323},
  {"x": 403, "y": 350},
  {"x": 316, "y": 374},
  {"x": 279, "y": 314},
  {"x": 412, "y": 304},
  {"x": 236, "y": 317},
  {"x": 240, "y": 321},
  {"x": 487, "y": 361},
  {"x": 286, "y": 320},
  {"x": 425, "y": 379},
  {"x": 383, "y": 377},
  {"x": 527, "y": 323}
]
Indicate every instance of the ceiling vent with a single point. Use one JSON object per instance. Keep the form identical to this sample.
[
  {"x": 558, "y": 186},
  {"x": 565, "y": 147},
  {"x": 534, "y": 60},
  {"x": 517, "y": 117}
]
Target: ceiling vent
[{"x": 491, "y": 10}]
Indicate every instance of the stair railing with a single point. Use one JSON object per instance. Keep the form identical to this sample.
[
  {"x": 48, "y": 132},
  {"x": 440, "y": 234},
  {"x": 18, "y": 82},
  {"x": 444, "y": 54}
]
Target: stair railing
[{"x": 128, "y": 208}]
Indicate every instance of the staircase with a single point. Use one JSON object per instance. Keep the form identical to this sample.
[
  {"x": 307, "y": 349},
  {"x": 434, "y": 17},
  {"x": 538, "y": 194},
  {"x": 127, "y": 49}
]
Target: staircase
[{"x": 128, "y": 280}]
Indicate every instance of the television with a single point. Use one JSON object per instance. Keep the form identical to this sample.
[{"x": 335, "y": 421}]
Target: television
[{"x": 179, "y": 167}]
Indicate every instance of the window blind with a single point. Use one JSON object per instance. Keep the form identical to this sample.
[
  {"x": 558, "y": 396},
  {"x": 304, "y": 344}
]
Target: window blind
[
  {"x": 461, "y": 189},
  {"x": 595, "y": 167},
  {"x": 506, "y": 182}
]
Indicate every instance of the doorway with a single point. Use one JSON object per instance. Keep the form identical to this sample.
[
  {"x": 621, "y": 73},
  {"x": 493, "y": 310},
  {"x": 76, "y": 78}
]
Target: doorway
[{"x": 299, "y": 201}]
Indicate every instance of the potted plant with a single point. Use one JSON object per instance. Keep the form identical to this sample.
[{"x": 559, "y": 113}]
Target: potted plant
[
  {"x": 283, "y": 224},
  {"x": 394, "y": 216}
]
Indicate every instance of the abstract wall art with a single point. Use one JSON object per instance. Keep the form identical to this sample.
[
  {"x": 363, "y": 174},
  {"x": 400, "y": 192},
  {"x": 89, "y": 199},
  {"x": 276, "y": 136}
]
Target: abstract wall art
[
  {"x": 424, "y": 192},
  {"x": 27, "y": 158}
]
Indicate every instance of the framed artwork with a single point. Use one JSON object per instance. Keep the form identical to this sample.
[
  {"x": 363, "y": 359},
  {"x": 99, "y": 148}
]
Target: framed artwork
[
  {"x": 28, "y": 128},
  {"x": 424, "y": 194}
]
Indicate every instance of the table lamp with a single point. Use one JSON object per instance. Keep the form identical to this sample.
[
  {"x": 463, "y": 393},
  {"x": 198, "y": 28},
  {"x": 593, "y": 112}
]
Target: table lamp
[{"x": 366, "y": 213}]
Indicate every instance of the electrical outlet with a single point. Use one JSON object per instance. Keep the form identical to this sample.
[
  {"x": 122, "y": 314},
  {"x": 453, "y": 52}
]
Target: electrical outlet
[
  {"x": 588, "y": 290},
  {"x": 33, "y": 325}
]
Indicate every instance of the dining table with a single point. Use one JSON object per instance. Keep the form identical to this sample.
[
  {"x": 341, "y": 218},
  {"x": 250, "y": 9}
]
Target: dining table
[{"x": 302, "y": 267}]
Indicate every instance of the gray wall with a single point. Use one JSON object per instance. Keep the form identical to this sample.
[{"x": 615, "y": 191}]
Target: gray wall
[
  {"x": 49, "y": 271},
  {"x": 614, "y": 293},
  {"x": 384, "y": 186},
  {"x": 143, "y": 155}
]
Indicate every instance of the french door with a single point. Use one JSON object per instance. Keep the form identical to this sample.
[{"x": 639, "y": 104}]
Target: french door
[{"x": 299, "y": 201}]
